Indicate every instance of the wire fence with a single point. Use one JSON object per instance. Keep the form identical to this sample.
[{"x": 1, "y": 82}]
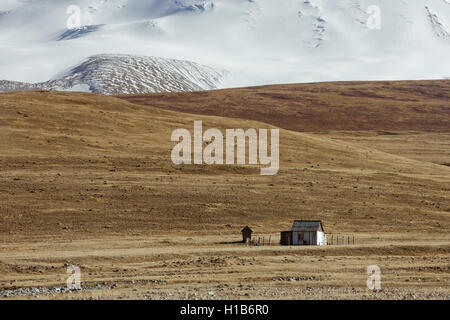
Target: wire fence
[
  {"x": 331, "y": 239},
  {"x": 340, "y": 240}
]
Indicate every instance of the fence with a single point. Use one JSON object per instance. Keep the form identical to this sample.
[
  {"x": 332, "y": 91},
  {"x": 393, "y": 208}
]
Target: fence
[
  {"x": 339, "y": 240},
  {"x": 259, "y": 241},
  {"x": 332, "y": 239}
]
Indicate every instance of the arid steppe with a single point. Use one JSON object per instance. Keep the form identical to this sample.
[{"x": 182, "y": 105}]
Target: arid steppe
[{"x": 87, "y": 180}]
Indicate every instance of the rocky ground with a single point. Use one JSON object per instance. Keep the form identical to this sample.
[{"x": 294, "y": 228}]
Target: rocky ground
[{"x": 148, "y": 268}]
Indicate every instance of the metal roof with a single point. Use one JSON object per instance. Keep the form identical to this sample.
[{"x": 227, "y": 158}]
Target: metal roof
[{"x": 307, "y": 225}]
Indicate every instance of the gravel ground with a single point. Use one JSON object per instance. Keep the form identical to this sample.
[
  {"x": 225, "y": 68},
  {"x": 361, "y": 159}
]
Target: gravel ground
[{"x": 138, "y": 290}]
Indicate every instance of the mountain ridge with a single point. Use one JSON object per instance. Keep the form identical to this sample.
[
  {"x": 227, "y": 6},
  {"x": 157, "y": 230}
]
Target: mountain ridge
[{"x": 126, "y": 74}]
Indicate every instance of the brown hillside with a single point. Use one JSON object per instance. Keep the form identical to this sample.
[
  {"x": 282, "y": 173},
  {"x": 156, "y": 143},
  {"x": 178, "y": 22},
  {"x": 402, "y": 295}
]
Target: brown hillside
[
  {"x": 87, "y": 180},
  {"x": 84, "y": 166},
  {"x": 318, "y": 107}
]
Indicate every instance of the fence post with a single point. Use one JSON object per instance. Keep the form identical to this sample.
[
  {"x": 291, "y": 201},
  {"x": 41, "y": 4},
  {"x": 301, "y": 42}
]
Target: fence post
[{"x": 270, "y": 240}]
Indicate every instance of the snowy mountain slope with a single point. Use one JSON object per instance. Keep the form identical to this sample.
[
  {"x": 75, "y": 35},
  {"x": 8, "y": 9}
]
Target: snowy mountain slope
[
  {"x": 258, "y": 41},
  {"x": 116, "y": 74},
  {"x": 440, "y": 29}
]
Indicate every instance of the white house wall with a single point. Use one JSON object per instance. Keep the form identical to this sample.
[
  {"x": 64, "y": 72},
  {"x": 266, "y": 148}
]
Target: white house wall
[
  {"x": 320, "y": 236},
  {"x": 321, "y": 239}
]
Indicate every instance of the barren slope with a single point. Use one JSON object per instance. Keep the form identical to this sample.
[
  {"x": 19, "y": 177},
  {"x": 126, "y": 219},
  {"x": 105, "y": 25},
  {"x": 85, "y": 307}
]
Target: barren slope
[
  {"x": 406, "y": 118},
  {"x": 87, "y": 166},
  {"x": 318, "y": 107}
]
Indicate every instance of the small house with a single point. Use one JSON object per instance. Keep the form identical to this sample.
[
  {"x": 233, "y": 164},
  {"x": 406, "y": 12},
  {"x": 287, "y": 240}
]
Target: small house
[
  {"x": 246, "y": 234},
  {"x": 304, "y": 233}
]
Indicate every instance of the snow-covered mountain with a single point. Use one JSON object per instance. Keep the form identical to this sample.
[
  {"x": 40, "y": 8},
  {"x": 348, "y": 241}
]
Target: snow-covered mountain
[
  {"x": 258, "y": 41},
  {"x": 127, "y": 74}
]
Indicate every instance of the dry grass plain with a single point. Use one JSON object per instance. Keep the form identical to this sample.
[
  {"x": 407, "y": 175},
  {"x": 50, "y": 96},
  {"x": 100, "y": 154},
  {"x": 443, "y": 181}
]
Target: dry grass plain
[{"x": 87, "y": 179}]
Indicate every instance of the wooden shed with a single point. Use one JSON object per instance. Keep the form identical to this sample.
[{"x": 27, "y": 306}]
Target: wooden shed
[
  {"x": 304, "y": 233},
  {"x": 286, "y": 238},
  {"x": 246, "y": 234}
]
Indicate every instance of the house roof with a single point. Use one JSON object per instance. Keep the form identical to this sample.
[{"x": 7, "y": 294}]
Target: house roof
[
  {"x": 307, "y": 225},
  {"x": 246, "y": 228}
]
